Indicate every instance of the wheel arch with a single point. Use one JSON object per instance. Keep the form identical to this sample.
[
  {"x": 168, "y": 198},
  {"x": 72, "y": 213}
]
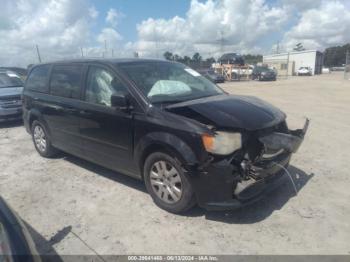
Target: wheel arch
[
  {"x": 36, "y": 115},
  {"x": 166, "y": 143}
]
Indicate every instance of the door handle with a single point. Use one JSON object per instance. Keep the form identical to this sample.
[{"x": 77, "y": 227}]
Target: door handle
[
  {"x": 84, "y": 112},
  {"x": 70, "y": 110}
]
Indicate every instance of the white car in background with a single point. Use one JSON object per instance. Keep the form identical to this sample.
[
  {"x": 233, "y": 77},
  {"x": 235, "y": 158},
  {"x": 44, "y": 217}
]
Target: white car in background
[
  {"x": 304, "y": 71},
  {"x": 326, "y": 70}
]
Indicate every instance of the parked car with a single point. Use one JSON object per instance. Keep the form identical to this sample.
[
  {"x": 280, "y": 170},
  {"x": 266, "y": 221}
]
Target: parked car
[
  {"x": 326, "y": 70},
  {"x": 16, "y": 243},
  {"x": 212, "y": 76},
  {"x": 231, "y": 58},
  {"x": 11, "y": 87},
  {"x": 164, "y": 123},
  {"x": 304, "y": 71},
  {"x": 263, "y": 73}
]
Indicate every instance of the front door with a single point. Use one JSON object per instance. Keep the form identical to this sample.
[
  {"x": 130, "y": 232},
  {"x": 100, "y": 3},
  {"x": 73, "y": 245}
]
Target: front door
[{"x": 107, "y": 133}]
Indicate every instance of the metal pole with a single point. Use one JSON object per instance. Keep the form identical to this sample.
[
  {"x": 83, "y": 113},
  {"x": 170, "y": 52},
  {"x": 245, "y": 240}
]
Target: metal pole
[
  {"x": 347, "y": 63},
  {"x": 288, "y": 65},
  {"x": 37, "y": 51}
]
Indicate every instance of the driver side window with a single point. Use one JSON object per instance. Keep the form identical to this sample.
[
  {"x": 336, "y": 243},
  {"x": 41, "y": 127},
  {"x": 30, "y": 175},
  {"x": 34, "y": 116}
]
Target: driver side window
[{"x": 100, "y": 86}]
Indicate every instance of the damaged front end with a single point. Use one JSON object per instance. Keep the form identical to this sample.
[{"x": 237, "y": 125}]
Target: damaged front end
[{"x": 257, "y": 168}]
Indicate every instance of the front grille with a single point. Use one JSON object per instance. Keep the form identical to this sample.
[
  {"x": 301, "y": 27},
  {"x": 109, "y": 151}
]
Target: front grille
[
  {"x": 10, "y": 98},
  {"x": 13, "y": 101}
]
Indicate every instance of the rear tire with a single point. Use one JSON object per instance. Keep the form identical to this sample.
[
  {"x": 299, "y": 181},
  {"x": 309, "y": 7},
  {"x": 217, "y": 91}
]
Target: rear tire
[
  {"x": 41, "y": 140},
  {"x": 167, "y": 183}
]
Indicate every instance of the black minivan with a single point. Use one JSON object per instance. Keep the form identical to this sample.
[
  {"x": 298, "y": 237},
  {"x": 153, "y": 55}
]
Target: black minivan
[{"x": 164, "y": 123}]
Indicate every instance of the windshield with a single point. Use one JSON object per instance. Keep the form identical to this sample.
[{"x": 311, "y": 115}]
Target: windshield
[
  {"x": 9, "y": 80},
  {"x": 263, "y": 69},
  {"x": 164, "y": 82}
]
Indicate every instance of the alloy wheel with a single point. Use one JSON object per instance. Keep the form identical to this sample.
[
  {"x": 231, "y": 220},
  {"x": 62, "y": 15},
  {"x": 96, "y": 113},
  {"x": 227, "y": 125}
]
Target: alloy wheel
[
  {"x": 166, "y": 182},
  {"x": 39, "y": 138}
]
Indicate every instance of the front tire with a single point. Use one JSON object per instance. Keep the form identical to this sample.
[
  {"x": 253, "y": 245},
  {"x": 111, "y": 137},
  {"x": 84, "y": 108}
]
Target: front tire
[
  {"x": 42, "y": 140},
  {"x": 167, "y": 183}
]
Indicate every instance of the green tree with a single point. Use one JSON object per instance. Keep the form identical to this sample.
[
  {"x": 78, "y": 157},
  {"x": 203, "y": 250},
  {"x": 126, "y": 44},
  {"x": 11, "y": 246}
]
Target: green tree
[
  {"x": 252, "y": 59},
  {"x": 210, "y": 60},
  {"x": 196, "y": 57},
  {"x": 335, "y": 55},
  {"x": 168, "y": 55},
  {"x": 177, "y": 58}
]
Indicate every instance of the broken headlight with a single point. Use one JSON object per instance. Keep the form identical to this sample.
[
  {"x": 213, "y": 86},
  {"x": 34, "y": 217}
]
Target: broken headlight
[{"x": 222, "y": 143}]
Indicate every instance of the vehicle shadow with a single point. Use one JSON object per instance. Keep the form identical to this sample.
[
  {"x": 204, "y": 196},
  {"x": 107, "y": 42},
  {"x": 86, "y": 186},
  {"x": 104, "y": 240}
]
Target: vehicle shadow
[
  {"x": 260, "y": 210},
  {"x": 107, "y": 173},
  {"x": 44, "y": 247},
  {"x": 12, "y": 123},
  {"x": 274, "y": 200}
]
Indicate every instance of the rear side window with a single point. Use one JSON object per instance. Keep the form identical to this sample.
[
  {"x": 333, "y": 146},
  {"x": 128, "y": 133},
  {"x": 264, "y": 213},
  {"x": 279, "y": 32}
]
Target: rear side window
[
  {"x": 37, "y": 80},
  {"x": 65, "y": 81}
]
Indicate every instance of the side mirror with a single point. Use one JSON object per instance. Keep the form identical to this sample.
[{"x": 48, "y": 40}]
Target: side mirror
[{"x": 120, "y": 102}]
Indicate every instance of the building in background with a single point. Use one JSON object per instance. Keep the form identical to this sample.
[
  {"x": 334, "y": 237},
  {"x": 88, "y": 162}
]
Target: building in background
[{"x": 289, "y": 63}]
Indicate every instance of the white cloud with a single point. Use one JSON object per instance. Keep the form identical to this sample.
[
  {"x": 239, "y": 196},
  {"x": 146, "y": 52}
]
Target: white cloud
[
  {"x": 302, "y": 5},
  {"x": 113, "y": 17},
  {"x": 109, "y": 36},
  {"x": 237, "y": 25},
  {"x": 59, "y": 28},
  {"x": 326, "y": 25}
]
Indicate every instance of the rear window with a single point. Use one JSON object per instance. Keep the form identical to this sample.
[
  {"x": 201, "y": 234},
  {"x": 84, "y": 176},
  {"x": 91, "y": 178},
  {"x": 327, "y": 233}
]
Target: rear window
[
  {"x": 65, "y": 81},
  {"x": 37, "y": 80}
]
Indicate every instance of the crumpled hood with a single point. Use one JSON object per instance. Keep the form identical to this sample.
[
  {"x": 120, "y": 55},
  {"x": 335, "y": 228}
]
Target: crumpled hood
[
  {"x": 10, "y": 91},
  {"x": 233, "y": 111}
]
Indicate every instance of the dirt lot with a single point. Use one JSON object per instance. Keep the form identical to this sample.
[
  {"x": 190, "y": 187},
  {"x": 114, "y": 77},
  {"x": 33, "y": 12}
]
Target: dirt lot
[{"x": 74, "y": 207}]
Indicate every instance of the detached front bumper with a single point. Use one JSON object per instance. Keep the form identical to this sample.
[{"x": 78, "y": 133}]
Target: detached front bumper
[{"x": 219, "y": 185}]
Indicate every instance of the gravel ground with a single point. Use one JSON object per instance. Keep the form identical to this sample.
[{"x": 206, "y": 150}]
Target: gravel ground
[{"x": 74, "y": 207}]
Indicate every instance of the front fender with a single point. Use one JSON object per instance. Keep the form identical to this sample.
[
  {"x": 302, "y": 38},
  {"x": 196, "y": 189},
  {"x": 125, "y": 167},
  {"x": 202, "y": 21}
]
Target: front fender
[{"x": 166, "y": 141}]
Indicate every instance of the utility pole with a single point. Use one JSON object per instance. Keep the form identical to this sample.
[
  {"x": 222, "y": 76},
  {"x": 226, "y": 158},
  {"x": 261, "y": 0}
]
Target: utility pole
[
  {"x": 347, "y": 64},
  {"x": 221, "y": 42},
  {"x": 288, "y": 64},
  {"x": 37, "y": 51}
]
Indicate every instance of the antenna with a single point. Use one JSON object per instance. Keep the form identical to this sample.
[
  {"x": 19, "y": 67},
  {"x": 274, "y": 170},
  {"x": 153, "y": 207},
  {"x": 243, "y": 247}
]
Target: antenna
[
  {"x": 222, "y": 42},
  {"x": 37, "y": 51}
]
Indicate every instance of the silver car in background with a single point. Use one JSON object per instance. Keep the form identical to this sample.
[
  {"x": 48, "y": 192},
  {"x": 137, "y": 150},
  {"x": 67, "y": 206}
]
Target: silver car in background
[{"x": 11, "y": 87}]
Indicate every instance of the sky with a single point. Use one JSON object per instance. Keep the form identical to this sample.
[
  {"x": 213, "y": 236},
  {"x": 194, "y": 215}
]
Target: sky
[{"x": 104, "y": 28}]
